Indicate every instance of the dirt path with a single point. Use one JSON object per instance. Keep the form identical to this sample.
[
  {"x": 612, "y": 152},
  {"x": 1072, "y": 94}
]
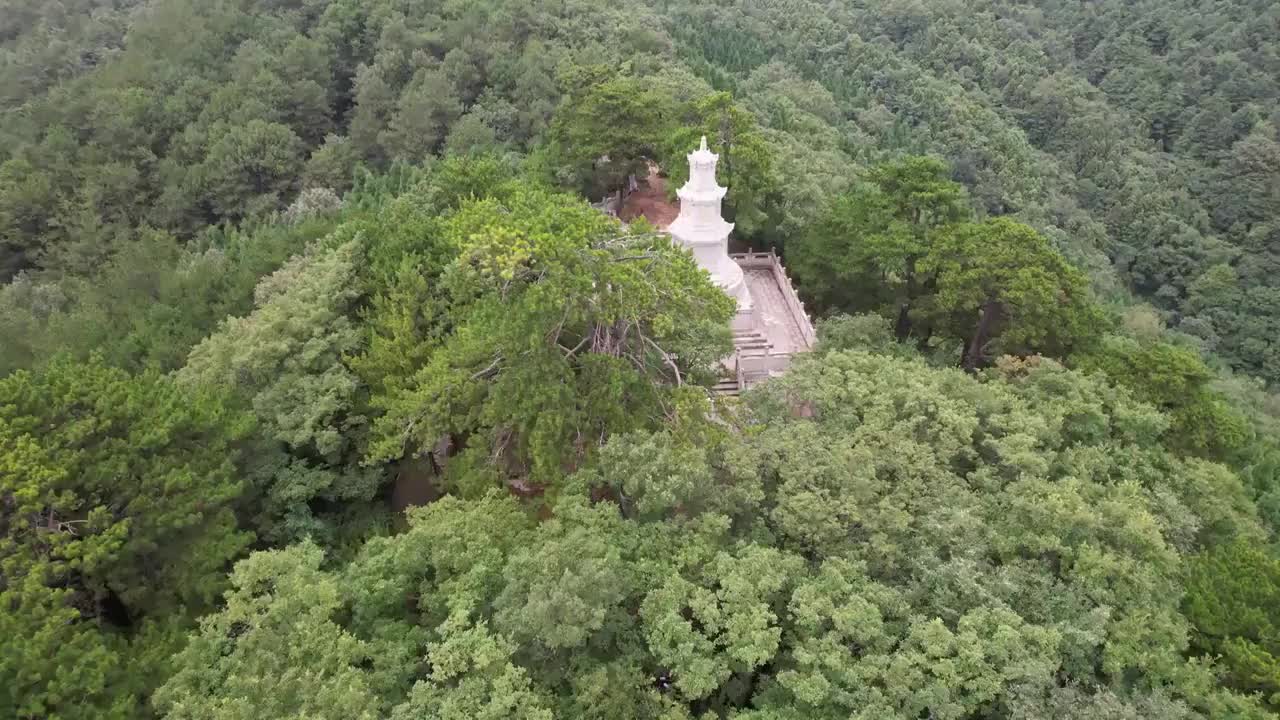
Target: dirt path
[{"x": 650, "y": 202}]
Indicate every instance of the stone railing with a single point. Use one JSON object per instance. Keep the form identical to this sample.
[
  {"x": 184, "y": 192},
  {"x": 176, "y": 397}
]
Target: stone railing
[
  {"x": 750, "y": 368},
  {"x": 794, "y": 305}
]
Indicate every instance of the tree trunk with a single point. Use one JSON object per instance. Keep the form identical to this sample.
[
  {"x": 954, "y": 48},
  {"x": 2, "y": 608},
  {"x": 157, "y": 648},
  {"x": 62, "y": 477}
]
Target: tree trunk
[
  {"x": 973, "y": 352},
  {"x": 902, "y": 328},
  {"x": 926, "y": 332}
]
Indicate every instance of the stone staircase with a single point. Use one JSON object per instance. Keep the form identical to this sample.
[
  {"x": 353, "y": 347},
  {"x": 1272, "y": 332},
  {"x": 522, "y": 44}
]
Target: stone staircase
[
  {"x": 751, "y": 341},
  {"x": 746, "y": 344},
  {"x": 728, "y": 387}
]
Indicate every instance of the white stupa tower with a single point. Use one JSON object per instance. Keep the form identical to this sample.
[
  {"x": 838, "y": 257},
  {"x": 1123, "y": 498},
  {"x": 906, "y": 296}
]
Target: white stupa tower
[{"x": 702, "y": 230}]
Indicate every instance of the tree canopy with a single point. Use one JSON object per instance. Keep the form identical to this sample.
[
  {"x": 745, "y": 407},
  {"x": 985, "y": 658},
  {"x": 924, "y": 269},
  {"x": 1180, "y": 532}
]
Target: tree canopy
[
  {"x": 119, "y": 498},
  {"x": 1018, "y": 550}
]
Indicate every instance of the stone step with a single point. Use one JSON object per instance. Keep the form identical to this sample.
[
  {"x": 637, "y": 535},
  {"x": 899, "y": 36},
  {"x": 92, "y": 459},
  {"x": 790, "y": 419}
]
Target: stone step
[
  {"x": 727, "y": 387},
  {"x": 751, "y": 341}
]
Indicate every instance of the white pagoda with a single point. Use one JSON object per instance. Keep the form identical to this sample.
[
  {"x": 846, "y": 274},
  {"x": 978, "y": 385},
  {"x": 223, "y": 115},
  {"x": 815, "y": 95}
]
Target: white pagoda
[
  {"x": 771, "y": 324},
  {"x": 701, "y": 228}
]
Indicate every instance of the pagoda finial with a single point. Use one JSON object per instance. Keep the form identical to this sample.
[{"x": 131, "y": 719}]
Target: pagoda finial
[{"x": 703, "y": 146}]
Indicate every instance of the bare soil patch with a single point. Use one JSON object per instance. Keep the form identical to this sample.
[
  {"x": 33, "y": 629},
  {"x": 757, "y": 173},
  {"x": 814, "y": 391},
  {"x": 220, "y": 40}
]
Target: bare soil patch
[{"x": 650, "y": 202}]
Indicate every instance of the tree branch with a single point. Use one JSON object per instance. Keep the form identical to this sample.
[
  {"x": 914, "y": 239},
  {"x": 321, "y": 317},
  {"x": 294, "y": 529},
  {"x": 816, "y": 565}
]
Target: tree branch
[
  {"x": 667, "y": 357},
  {"x": 569, "y": 353},
  {"x": 489, "y": 371}
]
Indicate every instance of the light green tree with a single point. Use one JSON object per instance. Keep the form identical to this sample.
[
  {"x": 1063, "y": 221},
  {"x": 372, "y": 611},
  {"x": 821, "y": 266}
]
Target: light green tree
[
  {"x": 564, "y": 328},
  {"x": 274, "y": 649},
  {"x": 287, "y": 361},
  {"x": 286, "y": 357},
  {"x": 473, "y": 677}
]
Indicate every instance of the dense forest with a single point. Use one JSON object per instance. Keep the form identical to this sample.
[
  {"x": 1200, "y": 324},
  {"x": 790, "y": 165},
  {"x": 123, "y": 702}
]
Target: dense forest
[{"x": 326, "y": 393}]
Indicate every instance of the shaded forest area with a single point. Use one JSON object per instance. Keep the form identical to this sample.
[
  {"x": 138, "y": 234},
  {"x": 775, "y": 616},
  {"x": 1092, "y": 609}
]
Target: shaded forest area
[{"x": 264, "y": 262}]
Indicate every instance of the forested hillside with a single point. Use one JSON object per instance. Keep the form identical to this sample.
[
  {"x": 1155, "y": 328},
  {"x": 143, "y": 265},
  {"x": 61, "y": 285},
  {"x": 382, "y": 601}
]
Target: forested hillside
[
  {"x": 324, "y": 392},
  {"x": 1142, "y": 137}
]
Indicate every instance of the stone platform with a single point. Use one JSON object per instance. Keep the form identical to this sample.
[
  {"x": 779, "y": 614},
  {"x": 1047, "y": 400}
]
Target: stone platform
[{"x": 782, "y": 327}]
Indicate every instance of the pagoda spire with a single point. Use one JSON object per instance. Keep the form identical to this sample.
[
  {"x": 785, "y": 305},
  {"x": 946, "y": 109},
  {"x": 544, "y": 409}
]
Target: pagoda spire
[{"x": 701, "y": 228}]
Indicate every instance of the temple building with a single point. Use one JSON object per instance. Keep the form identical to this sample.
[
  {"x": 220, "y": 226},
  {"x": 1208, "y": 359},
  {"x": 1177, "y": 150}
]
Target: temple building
[{"x": 770, "y": 325}]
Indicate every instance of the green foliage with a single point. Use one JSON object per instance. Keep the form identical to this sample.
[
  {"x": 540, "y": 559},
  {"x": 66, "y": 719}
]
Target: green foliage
[
  {"x": 90, "y": 448},
  {"x": 423, "y": 115},
  {"x": 119, "y": 494},
  {"x": 746, "y": 160},
  {"x": 655, "y": 474},
  {"x": 718, "y": 619},
  {"x": 64, "y": 667},
  {"x": 274, "y": 649},
  {"x": 1175, "y": 380},
  {"x": 930, "y": 669},
  {"x": 1141, "y": 139},
  {"x": 606, "y": 128},
  {"x": 150, "y": 303},
  {"x": 216, "y": 112},
  {"x": 250, "y": 169},
  {"x": 1002, "y": 288},
  {"x": 1232, "y": 596},
  {"x": 902, "y": 243},
  {"x": 862, "y": 254},
  {"x": 286, "y": 358},
  {"x": 564, "y": 328},
  {"x": 287, "y": 362},
  {"x": 332, "y": 165},
  {"x": 869, "y": 332},
  {"x": 473, "y": 677},
  {"x": 918, "y": 542},
  {"x": 867, "y": 537}
]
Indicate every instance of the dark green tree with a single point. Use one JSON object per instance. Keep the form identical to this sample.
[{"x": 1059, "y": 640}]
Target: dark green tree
[
  {"x": 251, "y": 169},
  {"x": 563, "y": 328},
  {"x": 746, "y": 160},
  {"x": 606, "y": 128},
  {"x": 1233, "y": 593},
  {"x": 1001, "y": 288},
  {"x": 863, "y": 253},
  {"x": 1176, "y": 380}
]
